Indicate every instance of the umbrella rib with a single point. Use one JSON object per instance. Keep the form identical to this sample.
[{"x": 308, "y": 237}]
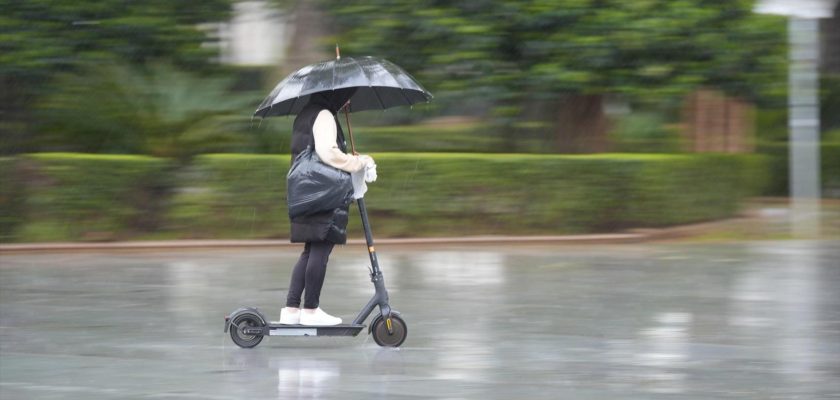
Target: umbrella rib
[
  {"x": 379, "y": 99},
  {"x": 375, "y": 74},
  {"x": 292, "y": 106},
  {"x": 402, "y": 92},
  {"x": 381, "y": 105},
  {"x": 335, "y": 65}
]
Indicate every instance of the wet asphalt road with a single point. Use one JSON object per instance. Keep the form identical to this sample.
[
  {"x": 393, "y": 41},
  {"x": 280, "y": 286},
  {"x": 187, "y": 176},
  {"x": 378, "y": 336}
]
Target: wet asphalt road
[{"x": 757, "y": 320}]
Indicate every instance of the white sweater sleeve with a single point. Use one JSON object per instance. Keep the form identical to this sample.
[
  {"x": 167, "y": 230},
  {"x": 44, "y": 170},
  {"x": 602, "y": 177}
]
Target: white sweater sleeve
[{"x": 325, "y": 134}]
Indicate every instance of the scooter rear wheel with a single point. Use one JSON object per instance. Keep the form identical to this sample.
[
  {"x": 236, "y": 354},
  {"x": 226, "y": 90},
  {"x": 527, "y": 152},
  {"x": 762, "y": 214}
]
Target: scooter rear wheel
[
  {"x": 241, "y": 322},
  {"x": 379, "y": 330}
]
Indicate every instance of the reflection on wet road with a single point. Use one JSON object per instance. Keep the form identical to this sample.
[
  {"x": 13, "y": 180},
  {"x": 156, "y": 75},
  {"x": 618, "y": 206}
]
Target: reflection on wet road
[{"x": 756, "y": 320}]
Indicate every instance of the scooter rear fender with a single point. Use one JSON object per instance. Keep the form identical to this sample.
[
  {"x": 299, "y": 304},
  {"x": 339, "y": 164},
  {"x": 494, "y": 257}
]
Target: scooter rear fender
[{"x": 250, "y": 310}]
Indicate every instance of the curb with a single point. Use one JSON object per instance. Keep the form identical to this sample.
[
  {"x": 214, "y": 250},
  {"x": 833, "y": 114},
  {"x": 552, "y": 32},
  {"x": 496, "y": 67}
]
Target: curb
[{"x": 615, "y": 238}]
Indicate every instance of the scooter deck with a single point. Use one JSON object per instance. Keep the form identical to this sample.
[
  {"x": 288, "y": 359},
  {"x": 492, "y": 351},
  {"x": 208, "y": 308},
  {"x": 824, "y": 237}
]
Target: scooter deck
[{"x": 309, "y": 330}]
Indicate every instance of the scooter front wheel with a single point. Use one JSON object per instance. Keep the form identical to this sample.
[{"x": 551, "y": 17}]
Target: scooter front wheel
[
  {"x": 381, "y": 334},
  {"x": 240, "y": 324}
]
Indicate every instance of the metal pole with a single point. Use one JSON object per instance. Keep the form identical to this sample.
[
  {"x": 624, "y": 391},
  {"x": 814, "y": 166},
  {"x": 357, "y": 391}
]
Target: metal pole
[{"x": 804, "y": 125}]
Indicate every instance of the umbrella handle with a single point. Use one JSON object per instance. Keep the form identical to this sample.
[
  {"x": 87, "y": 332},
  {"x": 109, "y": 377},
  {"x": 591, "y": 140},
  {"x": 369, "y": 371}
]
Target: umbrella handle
[{"x": 350, "y": 128}]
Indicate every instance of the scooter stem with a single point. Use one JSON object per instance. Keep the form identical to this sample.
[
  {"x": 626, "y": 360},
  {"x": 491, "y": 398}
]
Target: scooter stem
[
  {"x": 380, "y": 297},
  {"x": 368, "y": 237}
]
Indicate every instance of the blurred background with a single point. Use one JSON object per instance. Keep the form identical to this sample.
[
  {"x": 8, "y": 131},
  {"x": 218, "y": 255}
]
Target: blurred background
[{"x": 132, "y": 120}]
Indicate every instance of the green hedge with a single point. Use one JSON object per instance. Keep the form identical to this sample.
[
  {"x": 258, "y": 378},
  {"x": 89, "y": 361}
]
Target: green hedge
[
  {"x": 231, "y": 196},
  {"x": 778, "y": 154},
  {"x": 86, "y": 197},
  {"x": 11, "y": 198},
  {"x": 423, "y": 194},
  {"x": 90, "y": 197}
]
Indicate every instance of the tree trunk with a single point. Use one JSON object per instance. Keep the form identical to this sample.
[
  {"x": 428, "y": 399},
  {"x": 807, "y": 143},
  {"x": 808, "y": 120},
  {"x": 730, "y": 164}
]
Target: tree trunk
[
  {"x": 310, "y": 25},
  {"x": 581, "y": 124}
]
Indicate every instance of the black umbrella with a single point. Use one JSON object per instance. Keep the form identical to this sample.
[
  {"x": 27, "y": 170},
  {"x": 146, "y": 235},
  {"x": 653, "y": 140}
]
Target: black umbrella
[
  {"x": 379, "y": 84},
  {"x": 376, "y": 83}
]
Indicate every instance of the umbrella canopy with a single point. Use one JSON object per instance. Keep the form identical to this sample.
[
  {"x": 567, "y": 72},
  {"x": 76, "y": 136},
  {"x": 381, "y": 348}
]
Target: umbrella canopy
[{"x": 378, "y": 84}]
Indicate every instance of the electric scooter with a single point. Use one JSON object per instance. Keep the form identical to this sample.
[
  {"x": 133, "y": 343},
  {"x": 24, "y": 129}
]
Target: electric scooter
[{"x": 248, "y": 326}]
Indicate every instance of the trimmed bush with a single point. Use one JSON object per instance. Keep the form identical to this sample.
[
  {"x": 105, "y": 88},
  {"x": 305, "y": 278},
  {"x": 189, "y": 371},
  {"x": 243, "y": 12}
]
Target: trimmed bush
[
  {"x": 424, "y": 194},
  {"x": 778, "y": 155},
  {"x": 670, "y": 190},
  {"x": 91, "y": 197},
  {"x": 11, "y": 198},
  {"x": 232, "y": 196},
  {"x": 830, "y": 160},
  {"x": 101, "y": 197},
  {"x": 502, "y": 194}
]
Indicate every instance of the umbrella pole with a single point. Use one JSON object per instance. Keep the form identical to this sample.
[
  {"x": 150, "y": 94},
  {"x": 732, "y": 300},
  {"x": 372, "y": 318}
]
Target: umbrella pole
[{"x": 350, "y": 129}]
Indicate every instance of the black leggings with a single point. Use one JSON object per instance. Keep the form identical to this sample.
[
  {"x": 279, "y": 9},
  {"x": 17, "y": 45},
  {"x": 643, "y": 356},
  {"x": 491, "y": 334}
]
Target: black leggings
[{"x": 309, "y": 273}]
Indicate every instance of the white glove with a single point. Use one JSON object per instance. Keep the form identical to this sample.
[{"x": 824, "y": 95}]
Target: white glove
[
  {"x": 369, "y": 167},
  {"x": 370, "y": 172}
]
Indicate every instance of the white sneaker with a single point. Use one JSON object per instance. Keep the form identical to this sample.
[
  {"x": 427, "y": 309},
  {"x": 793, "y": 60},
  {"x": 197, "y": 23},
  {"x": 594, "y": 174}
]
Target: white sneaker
[
  {"x": 319, "y": 318},
  {"x": 289, "y": 318}
]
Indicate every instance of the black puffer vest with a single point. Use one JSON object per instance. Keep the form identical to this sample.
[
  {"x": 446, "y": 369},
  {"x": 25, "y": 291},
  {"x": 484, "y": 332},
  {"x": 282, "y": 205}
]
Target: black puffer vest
[{"x": 329, "y": 226}]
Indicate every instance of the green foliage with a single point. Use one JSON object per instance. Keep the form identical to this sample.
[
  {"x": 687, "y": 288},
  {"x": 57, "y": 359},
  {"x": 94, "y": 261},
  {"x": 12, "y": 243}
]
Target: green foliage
[
  {"x": 678, "y": 189},
  {"x": 422, "y": 194},
  {"x": 511, "y": 50},
  {"x": 158, "y": 110},
  {"x": 830, "y": 102},
  {"x": 633, "y": 133},
  {"x": 11, "y": 198},
  {"x": 771, "y": 124},
  {"x": 778, "y": 156},
  {"x": 91, "y": 197},
  {"x": 43, "y": 36},
  {"x": 40, "y": 38},
  {"x": 831, "y": 136},
  {"x": 449, "y": 137},
  {"x": 644, "y": 133},
  {"x": 462, "y": 137},
  {"x": 830, "y": 169},
  {"x": 232, "y": 195}
]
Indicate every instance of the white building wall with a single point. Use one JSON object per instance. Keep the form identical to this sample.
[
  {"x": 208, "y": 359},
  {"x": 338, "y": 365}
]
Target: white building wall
[{"x": 257, "y": 35}]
